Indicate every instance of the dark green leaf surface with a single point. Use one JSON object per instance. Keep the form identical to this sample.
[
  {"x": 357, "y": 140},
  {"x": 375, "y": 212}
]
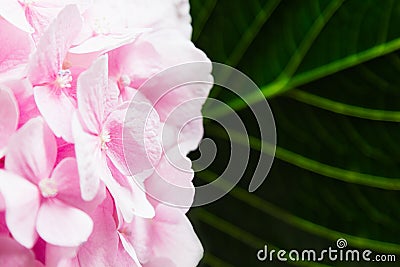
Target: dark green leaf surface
[{"x": 330, "y": 70}]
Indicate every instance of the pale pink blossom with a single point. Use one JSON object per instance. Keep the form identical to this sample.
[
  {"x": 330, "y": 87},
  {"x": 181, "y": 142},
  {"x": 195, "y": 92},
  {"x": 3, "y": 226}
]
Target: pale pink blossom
[
  {"x": 179, "y": 106},
  {"x": 52, "y": 78},
  {"x": 97, "y": 116},
  {"x": 104, "y": 247},
  {"x": 98, "y": 128},
  {"x": 168, "y": 239},
  {"x": 52, "y": 196}
]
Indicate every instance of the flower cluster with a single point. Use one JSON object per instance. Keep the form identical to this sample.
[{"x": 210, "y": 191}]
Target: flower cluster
[{"x": 87, "y": 130}]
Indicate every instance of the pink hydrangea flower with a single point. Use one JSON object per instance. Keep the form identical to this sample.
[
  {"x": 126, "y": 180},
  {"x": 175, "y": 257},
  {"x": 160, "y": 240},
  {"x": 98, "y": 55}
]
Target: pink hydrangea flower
[
  {"x": 52, "y": 80},
  {"x": 52, "y": 195},
  {"x": 98, "y": 129},
  {"x": 93, "y": 141},
  {"x": 168, "y": 239}
]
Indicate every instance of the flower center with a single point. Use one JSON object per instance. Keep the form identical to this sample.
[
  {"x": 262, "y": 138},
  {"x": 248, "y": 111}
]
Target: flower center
[
  {"x": 48, "y": 188},
  {"x": 125, "y": 80},
  {"x": 64, "y": 79},
  {"x": 104, "y": 139},
  {"x": 101, "y": 25}
]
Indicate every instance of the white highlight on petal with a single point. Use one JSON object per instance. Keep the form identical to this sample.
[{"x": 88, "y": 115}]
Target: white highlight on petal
[
  {"x": 48, "y": 188},
  {"x": 64, "y": 79}
]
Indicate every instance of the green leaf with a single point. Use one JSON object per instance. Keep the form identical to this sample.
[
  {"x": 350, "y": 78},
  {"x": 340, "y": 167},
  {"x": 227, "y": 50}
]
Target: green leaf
[{"x": 330, "y": 71}]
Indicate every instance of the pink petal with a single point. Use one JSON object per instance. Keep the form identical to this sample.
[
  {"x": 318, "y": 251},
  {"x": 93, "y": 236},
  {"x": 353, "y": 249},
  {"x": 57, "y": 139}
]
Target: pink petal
[
  {"x": 105, "y": 43},
  {"x": 121, "y": 195},
  {"x": 141, "y": 237},
  {"x": 123, "y": 258},
  {"x": 13, "y": 254},
  {"x": 57, "y": 109},
  {"x": 64, "y": 150},
  {"x": 83, "y": 61},
  {"x": 91, "y": 92},
  {"x": 3, "y": 224},
  {"x": 173, "y": 92},
  {"x": 41, "y": 13},
  {"x": 173, "y": 238},
  {"x": 32, "y": 151},
  {"x": 89, "y": 158},
  {"x": 172, "y": 184},
  {"x": 57, "y": 256},
  {"x": 101, "y": 248},
  {"x": 165, "y": 262},
  {"x": 168, "y": 239},
  {"x": 68, "y": 188},
  {"x": 143, "y": 208},
  {"x": 40, "y": 19},
  {"x": 112, "y": 96},
  {"x": 13, "y": 12},
  {"x": 40, "y": 250},
  {"x": 53, "y": 46},
  {"x": 9, "y": 115},
  {"x": 23, "y": 91},
  {"x": 129, "y": 249},
  {"x": 160, "y": 14},
  {"x": 183, "y": 19},
  {"x": 134, "y": 136},
  {"x": 62, "y": 225},
  {"x": 114, "y": 126},
  {"x": 20, "y": 196},
  {"x": 134, "y": 188},
  {"x": 138, "y": 61},
  {"x": 16, "y": 45}
]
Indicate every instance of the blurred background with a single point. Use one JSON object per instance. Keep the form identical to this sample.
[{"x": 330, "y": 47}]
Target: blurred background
[{"x": 330, "y": 70}]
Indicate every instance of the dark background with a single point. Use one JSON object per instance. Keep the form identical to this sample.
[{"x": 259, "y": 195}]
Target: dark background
[{"x": 331, "y": 73}]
